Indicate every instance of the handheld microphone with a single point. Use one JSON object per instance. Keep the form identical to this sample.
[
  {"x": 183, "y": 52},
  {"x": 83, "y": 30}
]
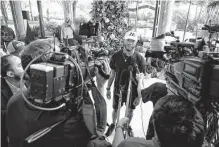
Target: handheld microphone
[
  {"x": 130, "y": 68},
  {"x": 136, "y": 67}
]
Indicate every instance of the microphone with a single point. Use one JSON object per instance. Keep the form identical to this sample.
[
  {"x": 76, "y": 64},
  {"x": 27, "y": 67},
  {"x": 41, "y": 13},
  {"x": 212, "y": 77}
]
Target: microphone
[
  {"x": 130, "y": 68},
  {"x": 133, "y": 63},
  {"x": 136, "y": 67}
]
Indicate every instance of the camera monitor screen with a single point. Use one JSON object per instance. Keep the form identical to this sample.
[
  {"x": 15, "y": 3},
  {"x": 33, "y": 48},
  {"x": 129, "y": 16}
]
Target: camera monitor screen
[{"x": 190, "y": 69}]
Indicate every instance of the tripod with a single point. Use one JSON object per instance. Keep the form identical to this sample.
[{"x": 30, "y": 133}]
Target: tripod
[
  {"x": 128, "y": 99},
  {"x": 110, "y": 130}
]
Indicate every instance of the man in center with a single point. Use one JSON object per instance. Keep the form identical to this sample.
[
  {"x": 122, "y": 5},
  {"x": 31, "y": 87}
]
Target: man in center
[{"x": 120, "y": 63}]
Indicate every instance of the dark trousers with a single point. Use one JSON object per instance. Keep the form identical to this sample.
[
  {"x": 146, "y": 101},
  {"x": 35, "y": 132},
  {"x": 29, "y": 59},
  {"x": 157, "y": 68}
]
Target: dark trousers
[
  {"x": 150, "y": 132},
  {"x": 101, "y": 112}
]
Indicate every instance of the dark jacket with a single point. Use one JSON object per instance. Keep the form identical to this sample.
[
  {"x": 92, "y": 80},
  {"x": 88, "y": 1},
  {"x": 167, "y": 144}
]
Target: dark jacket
[
  {"x": 23, "y": 120},
  {"x": 6, "y": 94}
]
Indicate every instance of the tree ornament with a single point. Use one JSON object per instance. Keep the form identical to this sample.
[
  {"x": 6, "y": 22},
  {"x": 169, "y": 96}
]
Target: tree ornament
[
  {"x": 111, "y": 6},
  {"x": 112, "y": 36},
  {"x": 101, "y": 39},
  {"x": 107, "y": 20},
  {"x": 112, "y": 19}
]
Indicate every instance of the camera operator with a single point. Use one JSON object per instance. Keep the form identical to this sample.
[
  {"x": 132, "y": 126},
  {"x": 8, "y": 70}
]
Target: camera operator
[
  {"x": 177, "y": 122},
  {"x": 11, "y": 71},
  {"x": 23, "y": 120},
  {"x": 119, "y": 64}
]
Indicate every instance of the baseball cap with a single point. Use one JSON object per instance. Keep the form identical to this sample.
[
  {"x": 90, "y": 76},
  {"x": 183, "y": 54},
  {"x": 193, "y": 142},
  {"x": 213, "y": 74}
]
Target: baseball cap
[
  {"x": 15, "y": 46},
  {"x": 131, "y": 35}
]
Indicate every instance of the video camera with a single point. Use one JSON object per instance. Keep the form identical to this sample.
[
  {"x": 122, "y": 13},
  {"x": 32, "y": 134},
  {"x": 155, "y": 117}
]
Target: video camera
[
  {"x": 211, "y": 28},
  {"x": 59, "y": 76},
  {"x": 197, "y": 79},
  {"x": 62, "y": 76},
  {"x": 90, "y": 29},
  {"x": 56, "y": 77},
  {"x": 81, "y": 55}
]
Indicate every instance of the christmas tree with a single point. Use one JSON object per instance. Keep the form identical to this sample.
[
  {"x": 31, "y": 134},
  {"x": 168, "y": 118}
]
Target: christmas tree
[{"x": 113, "y": 16}]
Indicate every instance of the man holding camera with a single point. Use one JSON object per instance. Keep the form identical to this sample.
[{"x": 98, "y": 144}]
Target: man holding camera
[
  {"x": 120, "y": 63},
  {"x": 24, "y": 120},
  {"x": 42, "y": 122}
]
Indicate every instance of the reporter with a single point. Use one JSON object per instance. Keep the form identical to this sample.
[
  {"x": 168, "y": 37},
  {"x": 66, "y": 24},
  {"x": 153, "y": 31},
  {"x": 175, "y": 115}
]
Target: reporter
[
  {"x": 177, "y": 122},
  {"x": 98, "y": 93},
  {"x": 152, "y": 93}
]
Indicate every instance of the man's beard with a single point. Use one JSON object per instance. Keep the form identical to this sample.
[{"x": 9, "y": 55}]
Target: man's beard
[
  {"x": 18, "y": 77},
  {"x": 129, "y": 49}
]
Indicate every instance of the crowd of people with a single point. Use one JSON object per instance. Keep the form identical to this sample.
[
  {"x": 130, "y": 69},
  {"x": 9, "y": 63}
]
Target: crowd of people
[{"x": 175, "y": 121}]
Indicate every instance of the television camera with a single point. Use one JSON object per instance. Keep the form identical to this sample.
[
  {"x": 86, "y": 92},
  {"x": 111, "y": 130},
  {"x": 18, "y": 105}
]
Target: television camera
[
  {"x": 57, "y": 82},
  {"x": 81, "y": 55},
  {"x": 177, "y": 49},
  {"x": 212, "y": 29},
  {"x": 90, "y": 29},
  {"x": 64, "y": 75},
  {"x": 197, "y": 79}
]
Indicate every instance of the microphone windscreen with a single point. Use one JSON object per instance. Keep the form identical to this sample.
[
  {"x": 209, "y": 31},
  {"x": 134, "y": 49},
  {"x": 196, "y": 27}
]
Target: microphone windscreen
[
  {"x": 130, "y": 68},
  {"x": 136, "y": 67}
]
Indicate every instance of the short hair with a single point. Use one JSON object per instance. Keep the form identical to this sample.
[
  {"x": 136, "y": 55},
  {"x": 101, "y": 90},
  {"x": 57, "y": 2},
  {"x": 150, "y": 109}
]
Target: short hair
[
  {"x": 33, "y": 50},
  {"x": 5, "y": 64},
  {"x": 178, "y": 123},
  {"x": 216, "y": 144}
]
